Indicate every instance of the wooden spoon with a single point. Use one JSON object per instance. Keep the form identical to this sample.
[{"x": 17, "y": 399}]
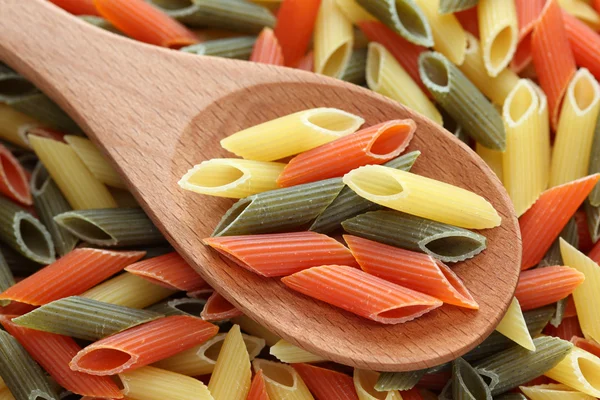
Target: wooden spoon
[{"x": 156, "y": 112}]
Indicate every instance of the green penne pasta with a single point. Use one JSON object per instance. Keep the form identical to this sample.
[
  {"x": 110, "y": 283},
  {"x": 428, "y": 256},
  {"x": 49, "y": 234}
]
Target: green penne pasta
[
  {"x": 398, "y": 380},
  {"x": 348, "y": 204},
  {"x": 39, "y": 106},
  {"x": 594, "y": 165},
  {"x": 355, "y": 69},
  {"x": 451, "y": 6},
  {"x": 280, "y": 210},
  {"x": 24, "y": 233},
  {"x": 232, "y": 15},
  {"x": 100, "y": 23},
  {"x": 6, "y": 278},
  {"x": 23, "y": 377},
  {"x": 84, "y": 318},
  {"x": 515, "y": 366},
  {"x": 239, "y": 47},
  {"x": 466, "y": 383},
  {"x": 111, "y": 227},
  {"x": 13, "y": 84},
  {"x": 451, "y": 126},
  {"x": 404, "y": 17},
  {"x": 49, "y": 202},
  {"x": 444, "y": 242},
  {"x": 183, "y": 306},
  {"x": 19, "y": 265},
  {"x": 593, "y": 221},
  {"x": 462, "y": 100}
]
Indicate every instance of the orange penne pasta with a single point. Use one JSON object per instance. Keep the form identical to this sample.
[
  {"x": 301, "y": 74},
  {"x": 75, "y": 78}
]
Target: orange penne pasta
[
  {"x": 258, "y": 390},
  {"x": 585, "y": 44},
  {"x": 360, "y": 293},
  {"x": 77, "y": 7},
  {"x": 326, "y": 384},
  {"x": 416, "y": 271},
  {"x": 583, "y": 232},
  {"x": 552, "y": 57},
  {"x": 469, "y": 20},
  {"x": 568, "y": 328},
  {"x": 307, "y": 63},
  {"x": 73, "y": 274},
  {"x": 596, "y": 5},
  {"x": 542, "y": 223},
  {"x": 54, "y": 352},
  {"x": 543, "y": 286},
  {"x": 143, "y": 345},
  {"x": 141, "y": 21},
  {"x": 406, "y": 53},
  {"x": 17, "y": 308},
  {"x": 570, "y": 310},
  {"x": 217, "y": 308},
  {"x": 374, "y": 145},
  {"x": 169, "y": 270},
  {"x": 267, "y": 49},
  {"x": 528, "y": 12},
  {"x": 589, "y": 345},
  {"x": 294, "y": 29},
  {"x": 13, "y": 180},
  {"x": 282, "y": 254}
]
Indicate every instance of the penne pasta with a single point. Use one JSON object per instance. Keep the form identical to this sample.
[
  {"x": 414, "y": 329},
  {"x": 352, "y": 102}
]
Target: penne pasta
[
  {"x": 584, "y": 43},
  {"x": 326, "y": 384},
  {"x": 594, "y": 165},
  {"x": 422, "y": 197},
  {"x": 128, "y": 290},
  {"x": 113, "y": 227},
  {"x": 469, "y": 20},
  {"x": 180, "y": 306},
  {"x": 552, "y": 57},
  {"x": 333, "y": 40},
  {"x": 78, "y": 185},
  {"x": 568, "y": 328},
  {"x": 282, "y": 254},
  {"x": 578, "y": 370},
  {"x": 292, "y": 134},
  {"x": 282, "y": 381},
  {"x": 355, "y": 70},
  {"x": 267, "y": 49},
  {"x": 77, "y": 7},
  {"x": 362, "y": 294},
  {"x": 201, "y": 359},
  {"x": 583, "y": 11},
  {"x": 288, "y": 353},
  {"x": 307, "y": 63},
  {"x": 13, "y": 179},
  {"x": 354, "y": 12},
  {"x": 386, "y": 76},
  {"x": 405, "y": 17},
  {"x": 415, "y": 271},
  {"x": 401, "y": 381},
  {"x": 38, "y": 106},
  {"x": 552, "y": 210},
  {"x": 462, "y": 100},
  {"x": 235, "y": 47},
  {"x": 544, "y": 136},
  {"x": 452, "y": 6},
  {"x": 258, "y": 390},
  {"x": 294, "y": 28},
  {"x": 514, "y": 327},
  {"x": 170, "y": 270},
  {"x": 231, "y": 377},
  {"x": 589, "y": 345},
  {"x": 364, "y": 383},
  {"x": 149, "y": 383},
  {"x": 374, "y": 145},
  {"x": 542, "y": 286},
  {"x": 217, "y": 308},
  {"x": 14, "y": 125},
  {"x": 528, "y": 11},
  {"x": 6, "y": 278},
  {"x": 467, "y": 383},
  {"x": 553, "y": 391},
  {"x": 256, "y": 329},
  {"x": 83, "y": 318},
  {"x": 71, "y": 275},
  {"x": 499, "y": 32},
  {"x": 593, "y": 221},
  {"x": 95, "y": 161},
  {"x": 493, "y": 158}
]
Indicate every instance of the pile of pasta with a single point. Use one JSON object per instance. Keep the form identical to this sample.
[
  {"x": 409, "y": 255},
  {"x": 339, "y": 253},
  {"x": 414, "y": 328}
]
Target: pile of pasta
[{"x": 96, "y": 305}]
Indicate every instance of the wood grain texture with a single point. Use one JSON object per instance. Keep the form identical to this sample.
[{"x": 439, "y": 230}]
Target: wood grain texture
[{"x": 157, "y": 112}]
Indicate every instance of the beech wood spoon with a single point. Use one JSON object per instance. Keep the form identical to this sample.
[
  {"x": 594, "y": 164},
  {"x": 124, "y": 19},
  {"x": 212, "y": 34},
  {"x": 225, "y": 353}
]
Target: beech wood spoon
[{"x": 156, "y": 112}]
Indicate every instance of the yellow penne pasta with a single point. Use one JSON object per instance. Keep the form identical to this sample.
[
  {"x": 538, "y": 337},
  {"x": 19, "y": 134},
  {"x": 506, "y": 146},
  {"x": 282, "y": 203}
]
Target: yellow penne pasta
[
  {"x": 553, "y": 391},
  {"x": 201, "y": 360},
  {"x": 14, "y": 125},
  {"x": 256, "y": 329},
  {"x": 232, "y": 177},
  {"x": 353, "y": 11},
  {"x": 282, "y": 381},
  {"x": 495, "y": 88},
  {"x": 582, "y": 11},
  {"x": 575, "y": 133},
  {"x": 364, "y": 383},
  {"x": 130, "y": 291},
  {"x": 499, "y": 33},
  {"x": 513, "y": 326},
  {"x": 292, "y": 134},
  {"x": 585, "y": 295},
  {"x": 493, "y": 158},
  {"x": 81, "y": 189},
  {"x": 448, "y": 34},
  {"x": 230, "y": 379},
  {"x": 543, "y": 137},
  {"x": 387, "y": 77},
  {"x": 95, "y": 161},
  {"x": 423, "y": 197},
  {"x": 333, "y": 40},
  {"x": 149, "y": 383},
  {"x": 578, "y": 370},
  {"x": 286, "y": 352},
  {"x": 522, "y": 159}
]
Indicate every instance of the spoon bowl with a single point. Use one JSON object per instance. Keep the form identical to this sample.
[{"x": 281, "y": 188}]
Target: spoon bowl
[{"x": 156, "y": 112}]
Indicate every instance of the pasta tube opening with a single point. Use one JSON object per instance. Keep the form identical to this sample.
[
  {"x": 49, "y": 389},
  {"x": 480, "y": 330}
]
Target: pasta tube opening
[
  {"x": 391, "y": 140},
  {"x": 436, "y": 71},
  {"x": 384, "y": 186},
  {"x": 450, "y": 245},
  {"x": 12, "y": 178},
  {"x": 106, "y": 361},
  {"x": 33, "y": 239},
  {"x": 85, "y": 229},
  {"x": 501, "y": 45},
  {"x": 215, "y": 175},
  {"x": 332, "y": 121},
  {"x": 173, "y": 4},
  {"x": 375, "y": 60},
  {"x": 522, "y": 103},
  {"x": 188, "y": 306},
  {"x": 277, "y": 374},
  {"x": 589, "y": 372},
  {"x": 401, "y": 312},
  {"x": 583, "y": 92},
  {"x": 232, "y": 215},
  {"x": 336, "y": 62}
]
